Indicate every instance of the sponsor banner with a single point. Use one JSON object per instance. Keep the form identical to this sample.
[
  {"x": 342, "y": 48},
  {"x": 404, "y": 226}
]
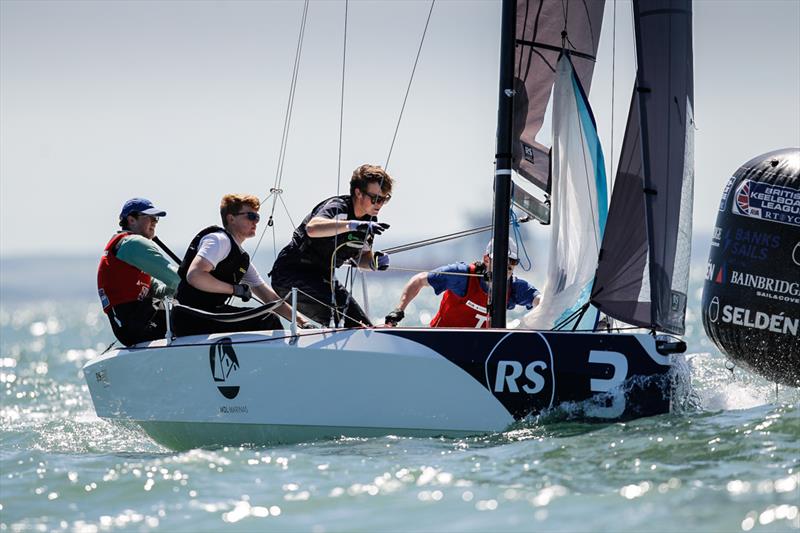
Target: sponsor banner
[
  {"x": 764, "y": 286},
  {"x": 781, "y": 324},
  {"x": 747, "y": 244},
  {"x": 767, "y": 202}
]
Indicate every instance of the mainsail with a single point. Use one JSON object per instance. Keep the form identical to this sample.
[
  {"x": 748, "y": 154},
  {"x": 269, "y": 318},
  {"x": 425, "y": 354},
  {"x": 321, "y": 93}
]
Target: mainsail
[
  {"x": 642, "y": 275},
  {"x": 543, "y": 29},
  {"x": 579, "y": 200}
]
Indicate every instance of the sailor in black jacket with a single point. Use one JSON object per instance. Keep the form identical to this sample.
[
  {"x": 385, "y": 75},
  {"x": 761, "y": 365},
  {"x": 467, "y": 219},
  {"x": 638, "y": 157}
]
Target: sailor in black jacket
[{"x": 338, "y": 229}]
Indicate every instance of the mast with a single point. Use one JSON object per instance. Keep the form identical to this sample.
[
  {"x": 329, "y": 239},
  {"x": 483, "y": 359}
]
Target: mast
[{"x": 502, "y": 170}]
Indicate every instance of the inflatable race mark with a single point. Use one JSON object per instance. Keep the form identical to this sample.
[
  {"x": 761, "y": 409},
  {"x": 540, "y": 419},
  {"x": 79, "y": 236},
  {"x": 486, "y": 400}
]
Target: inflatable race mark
[{"x": 751, "y": 295}]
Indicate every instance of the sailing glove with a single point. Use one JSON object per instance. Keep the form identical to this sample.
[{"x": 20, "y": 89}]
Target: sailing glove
[
  {"x": 367, "y": 226},
  {"x": 380, "y": 261},
  {"x": 394, "y": 318},
  {"x": 242, "y": 290}
]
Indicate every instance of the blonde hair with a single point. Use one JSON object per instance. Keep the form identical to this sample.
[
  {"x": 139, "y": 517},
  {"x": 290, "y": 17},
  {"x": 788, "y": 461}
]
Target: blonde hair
[{"x": 232, "y": 204}]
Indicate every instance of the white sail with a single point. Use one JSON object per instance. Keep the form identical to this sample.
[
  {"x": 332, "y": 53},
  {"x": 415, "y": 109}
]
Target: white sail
[{"x": 579, "y": 205}]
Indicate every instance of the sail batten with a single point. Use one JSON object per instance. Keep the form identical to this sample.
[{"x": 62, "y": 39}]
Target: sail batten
[{"x": 642, "y": 275}]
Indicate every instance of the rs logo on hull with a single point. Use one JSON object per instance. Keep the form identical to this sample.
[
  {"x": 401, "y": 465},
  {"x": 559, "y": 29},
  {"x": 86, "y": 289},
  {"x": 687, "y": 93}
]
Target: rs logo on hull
[
  {"x": 508, "y": 372},
  {"x": 519, "y": 372}
]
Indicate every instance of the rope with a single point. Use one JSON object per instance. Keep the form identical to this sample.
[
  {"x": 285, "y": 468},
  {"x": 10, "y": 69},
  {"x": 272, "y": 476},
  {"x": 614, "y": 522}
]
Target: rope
[
  {"x": 444, "y": 238},
  {"x": 466, "y": 274},
  {"x": 515, "y": 222},
  {"x": 408, "y": 88},
  {"x": 108, "y": 347},
  {"x": 436, "y": 240},
  {"x": 332, "y": 308}
]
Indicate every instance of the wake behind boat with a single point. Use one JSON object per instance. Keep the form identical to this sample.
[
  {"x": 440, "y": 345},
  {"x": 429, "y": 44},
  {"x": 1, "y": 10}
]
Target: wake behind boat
[{"x": 628, "y": 259}]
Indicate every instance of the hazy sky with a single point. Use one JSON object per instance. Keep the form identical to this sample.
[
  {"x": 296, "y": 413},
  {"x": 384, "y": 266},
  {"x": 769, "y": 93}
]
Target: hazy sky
[{"x": 183, "y": 101}]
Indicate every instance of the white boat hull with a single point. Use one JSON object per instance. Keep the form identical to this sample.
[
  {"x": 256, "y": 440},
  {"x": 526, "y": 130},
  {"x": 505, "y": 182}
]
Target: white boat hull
[{"x": 269, "y": 387}]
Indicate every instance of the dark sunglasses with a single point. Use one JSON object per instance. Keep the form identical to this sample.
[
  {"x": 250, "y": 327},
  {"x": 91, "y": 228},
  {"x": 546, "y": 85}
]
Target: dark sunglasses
[
  {"x": 377, "y": 198},
  {"x": 513, "y": 262},
  {"x": 251, "y": 215}
]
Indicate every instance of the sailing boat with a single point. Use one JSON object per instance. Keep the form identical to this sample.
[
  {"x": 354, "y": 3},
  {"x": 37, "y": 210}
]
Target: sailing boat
[{"x": 291, "y": 386}]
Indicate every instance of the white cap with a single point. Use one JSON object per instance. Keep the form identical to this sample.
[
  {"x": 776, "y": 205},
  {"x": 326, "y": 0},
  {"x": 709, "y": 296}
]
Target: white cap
[{"x": 512, "y": 250}]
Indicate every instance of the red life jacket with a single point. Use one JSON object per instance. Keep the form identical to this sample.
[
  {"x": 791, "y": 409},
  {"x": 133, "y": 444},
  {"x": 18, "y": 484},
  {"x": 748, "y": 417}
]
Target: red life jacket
[
  {"x": 117, "y": 281},
  {"x": 468, "y": 311}
]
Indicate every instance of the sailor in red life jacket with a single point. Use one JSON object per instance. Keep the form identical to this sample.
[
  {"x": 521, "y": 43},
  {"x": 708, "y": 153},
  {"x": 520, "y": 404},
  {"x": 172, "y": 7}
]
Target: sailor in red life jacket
[
  {"x": 465, "y": 300},
  {"x": 134, "y": 275}
]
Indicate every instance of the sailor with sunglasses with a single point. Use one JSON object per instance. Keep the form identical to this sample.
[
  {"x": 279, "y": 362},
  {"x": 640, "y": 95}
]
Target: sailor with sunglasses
[
  {"x": 465, "y": 300},
  {"x": 337, "y": 230},
  {"x": 216, "y": 267}
]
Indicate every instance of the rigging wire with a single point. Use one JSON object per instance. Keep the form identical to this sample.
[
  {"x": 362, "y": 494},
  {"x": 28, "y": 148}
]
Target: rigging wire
[
  {"x": 339, "y": 172},
  {"x": 276, "y": 191},
  {"x": 290, "y": 105},
  {"x": 408, "y": 88},
  {"x": 397, "y": 128}
]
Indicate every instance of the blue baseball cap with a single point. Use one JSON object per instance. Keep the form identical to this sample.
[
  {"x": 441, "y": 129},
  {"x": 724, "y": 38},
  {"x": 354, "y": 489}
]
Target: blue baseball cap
[{"x": 140, "y": 205}]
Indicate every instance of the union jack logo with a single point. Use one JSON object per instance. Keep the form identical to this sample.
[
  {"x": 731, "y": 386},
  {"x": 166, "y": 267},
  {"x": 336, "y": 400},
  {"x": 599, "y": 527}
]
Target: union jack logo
[{"x": 743, "y": 197}]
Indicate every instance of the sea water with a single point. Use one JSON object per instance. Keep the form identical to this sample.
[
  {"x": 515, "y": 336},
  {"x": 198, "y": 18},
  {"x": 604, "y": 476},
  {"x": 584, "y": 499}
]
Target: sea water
[{"x": 729, "y": 461}]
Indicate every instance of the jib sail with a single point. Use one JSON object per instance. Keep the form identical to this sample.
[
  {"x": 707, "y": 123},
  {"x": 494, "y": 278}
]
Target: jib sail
[
  {"x": 580, "y": 206},
  {"x": 643, "y": 269}
]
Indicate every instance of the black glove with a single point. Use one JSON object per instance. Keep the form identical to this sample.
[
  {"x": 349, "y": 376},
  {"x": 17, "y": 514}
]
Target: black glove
[
  {"x": 367, "y": 226},
  {"x": 380, "y": 261},
  {"x": 242, "y": 290},
  {"x": 394, "y": 318},
  {"x": 480, "y": 268}
]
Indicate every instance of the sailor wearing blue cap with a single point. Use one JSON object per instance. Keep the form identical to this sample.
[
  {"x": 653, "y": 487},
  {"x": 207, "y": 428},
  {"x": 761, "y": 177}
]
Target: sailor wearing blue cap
[{"x": 134, "y": 275}]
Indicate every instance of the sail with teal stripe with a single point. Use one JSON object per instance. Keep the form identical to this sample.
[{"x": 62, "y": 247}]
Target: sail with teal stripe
[{"x": 579, "y": 206}]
